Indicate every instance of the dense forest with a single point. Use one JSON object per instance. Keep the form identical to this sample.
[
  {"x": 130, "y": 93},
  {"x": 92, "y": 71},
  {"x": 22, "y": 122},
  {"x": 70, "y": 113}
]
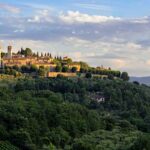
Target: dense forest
[{"x": 74, "y": 114}]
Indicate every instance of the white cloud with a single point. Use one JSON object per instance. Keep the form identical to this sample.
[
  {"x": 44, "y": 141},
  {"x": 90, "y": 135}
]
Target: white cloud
[
  {"x": 41, "y": 16},
  {"x": 9, "y": 8},
  {"x": 119, "y": 63},
  {"x": 77, "y": 17},
  {"x": 143, "y": 20},
  {"x": 20, "y": 30},
  {"x": 44, "y": 12},
  {"x": 148, "y": 62},
  {"x": 93, "y": 6},
  {"x": 34, "y": 19},
  {"x": 100, "y": 40},
  {"x": 133, "y": 46}
]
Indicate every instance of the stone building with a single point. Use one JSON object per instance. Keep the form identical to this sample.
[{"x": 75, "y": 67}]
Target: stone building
[{"x": 20, "y": 60}]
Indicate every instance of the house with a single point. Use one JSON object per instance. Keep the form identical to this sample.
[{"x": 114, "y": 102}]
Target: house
[{"x": 97, "y": 96}]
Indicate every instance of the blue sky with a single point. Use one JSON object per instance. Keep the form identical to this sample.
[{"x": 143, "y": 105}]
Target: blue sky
[
  {"x": 113, "y": 33},
  {"x": 122, "y": 8}
]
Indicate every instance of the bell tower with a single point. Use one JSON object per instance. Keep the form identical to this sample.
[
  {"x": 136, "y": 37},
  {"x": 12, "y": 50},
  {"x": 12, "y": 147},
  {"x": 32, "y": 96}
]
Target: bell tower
[{"x": 9, "y": 51}]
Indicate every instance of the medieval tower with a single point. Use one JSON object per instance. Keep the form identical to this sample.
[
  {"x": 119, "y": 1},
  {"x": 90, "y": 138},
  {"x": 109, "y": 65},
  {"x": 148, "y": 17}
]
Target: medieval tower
[{"x": 9, "y": 52}]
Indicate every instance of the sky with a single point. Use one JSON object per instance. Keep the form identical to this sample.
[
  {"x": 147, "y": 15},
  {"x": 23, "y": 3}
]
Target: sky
[{"x": 112, "y": 33}]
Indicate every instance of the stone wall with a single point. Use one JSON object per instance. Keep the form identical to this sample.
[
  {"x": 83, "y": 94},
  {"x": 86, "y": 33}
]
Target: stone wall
[{"x": 55, "y": 74}]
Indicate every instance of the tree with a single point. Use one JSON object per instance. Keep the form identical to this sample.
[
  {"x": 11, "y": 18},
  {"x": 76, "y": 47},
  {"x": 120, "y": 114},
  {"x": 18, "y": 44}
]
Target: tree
[
  {"x": 16, "y": 68},
  {"x": 110, "y": 76},
  {"x": 42, "y": 55},
  {"x": 3, "y": 54},
  {"x": 28, "y": 52},
  {"x": 88, "y": 75},
  {"x": 136, "y": 82},
  {"x": 68, "y": 61},
  {"x": 33, "y": 68},
  {"x": 50, "y": 55},
  {"x": 37, "y": 54},
  {"x": 84, "y": 65},
  {"x": 65, "y": 69},
  {"x": 25, "y": 69},
  {"x": 142, "y": 143},
  {"x": 83, "y": 70},
  {"x": 58, "y": 68},
  {"x": 74, "y": 69},
  {"x": 42, "y": 72},
  {"x": 124, "y": 76},
  {"x": 22, "y": 52},
  {"x": 22, "y": 139},
  {"x": 81, "y": 145},
  {"x": 64, "y": 113}
]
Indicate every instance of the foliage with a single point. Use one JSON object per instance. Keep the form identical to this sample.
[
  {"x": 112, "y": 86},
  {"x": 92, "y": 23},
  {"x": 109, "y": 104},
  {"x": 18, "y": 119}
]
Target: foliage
[
  {"x": 74, "y": 69},
  {"x": 88, "y": 75},
  {"x": 7, "y": 146},
  {"x": 42, "y": 71},
  {"x": 26, "y": 52},
  {"x": 65, "y": 69},
  {"x": 60, "y": 113},
  {"x": 125, "y": 76},
  {"x": 108, "y": 140},
  {"x": 58, "y": 68},
  {"x": 110, "y": 76}
]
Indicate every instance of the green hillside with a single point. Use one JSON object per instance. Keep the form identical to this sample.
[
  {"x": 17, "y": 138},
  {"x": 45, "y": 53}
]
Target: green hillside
[
  {"x": 7, "y": 146},
  {"x": 69, "y": 114}
]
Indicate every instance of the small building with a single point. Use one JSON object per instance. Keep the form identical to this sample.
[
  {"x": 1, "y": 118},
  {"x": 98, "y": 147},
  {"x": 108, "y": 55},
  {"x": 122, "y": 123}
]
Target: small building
[
  {"x": 97, "y": 96},
  {"x": 100, "y": 99}
]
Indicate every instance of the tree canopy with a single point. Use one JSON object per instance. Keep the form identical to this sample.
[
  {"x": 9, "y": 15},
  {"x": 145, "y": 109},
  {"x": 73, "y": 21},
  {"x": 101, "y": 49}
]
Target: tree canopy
[{"x": 62, "y": 113}]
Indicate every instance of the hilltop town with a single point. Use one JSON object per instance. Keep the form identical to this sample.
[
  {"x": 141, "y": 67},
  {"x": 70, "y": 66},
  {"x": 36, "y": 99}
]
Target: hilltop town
[{"x": 26, "y": 62}]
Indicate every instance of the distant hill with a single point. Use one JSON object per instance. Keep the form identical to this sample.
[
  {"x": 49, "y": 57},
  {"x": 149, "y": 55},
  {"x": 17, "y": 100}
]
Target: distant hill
[{"x": 144, "y": 80}]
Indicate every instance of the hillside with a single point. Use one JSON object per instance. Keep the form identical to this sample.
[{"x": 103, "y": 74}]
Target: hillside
[
  {"x": 61, "y": 113},
  {"x": 26, "y": 63}
]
